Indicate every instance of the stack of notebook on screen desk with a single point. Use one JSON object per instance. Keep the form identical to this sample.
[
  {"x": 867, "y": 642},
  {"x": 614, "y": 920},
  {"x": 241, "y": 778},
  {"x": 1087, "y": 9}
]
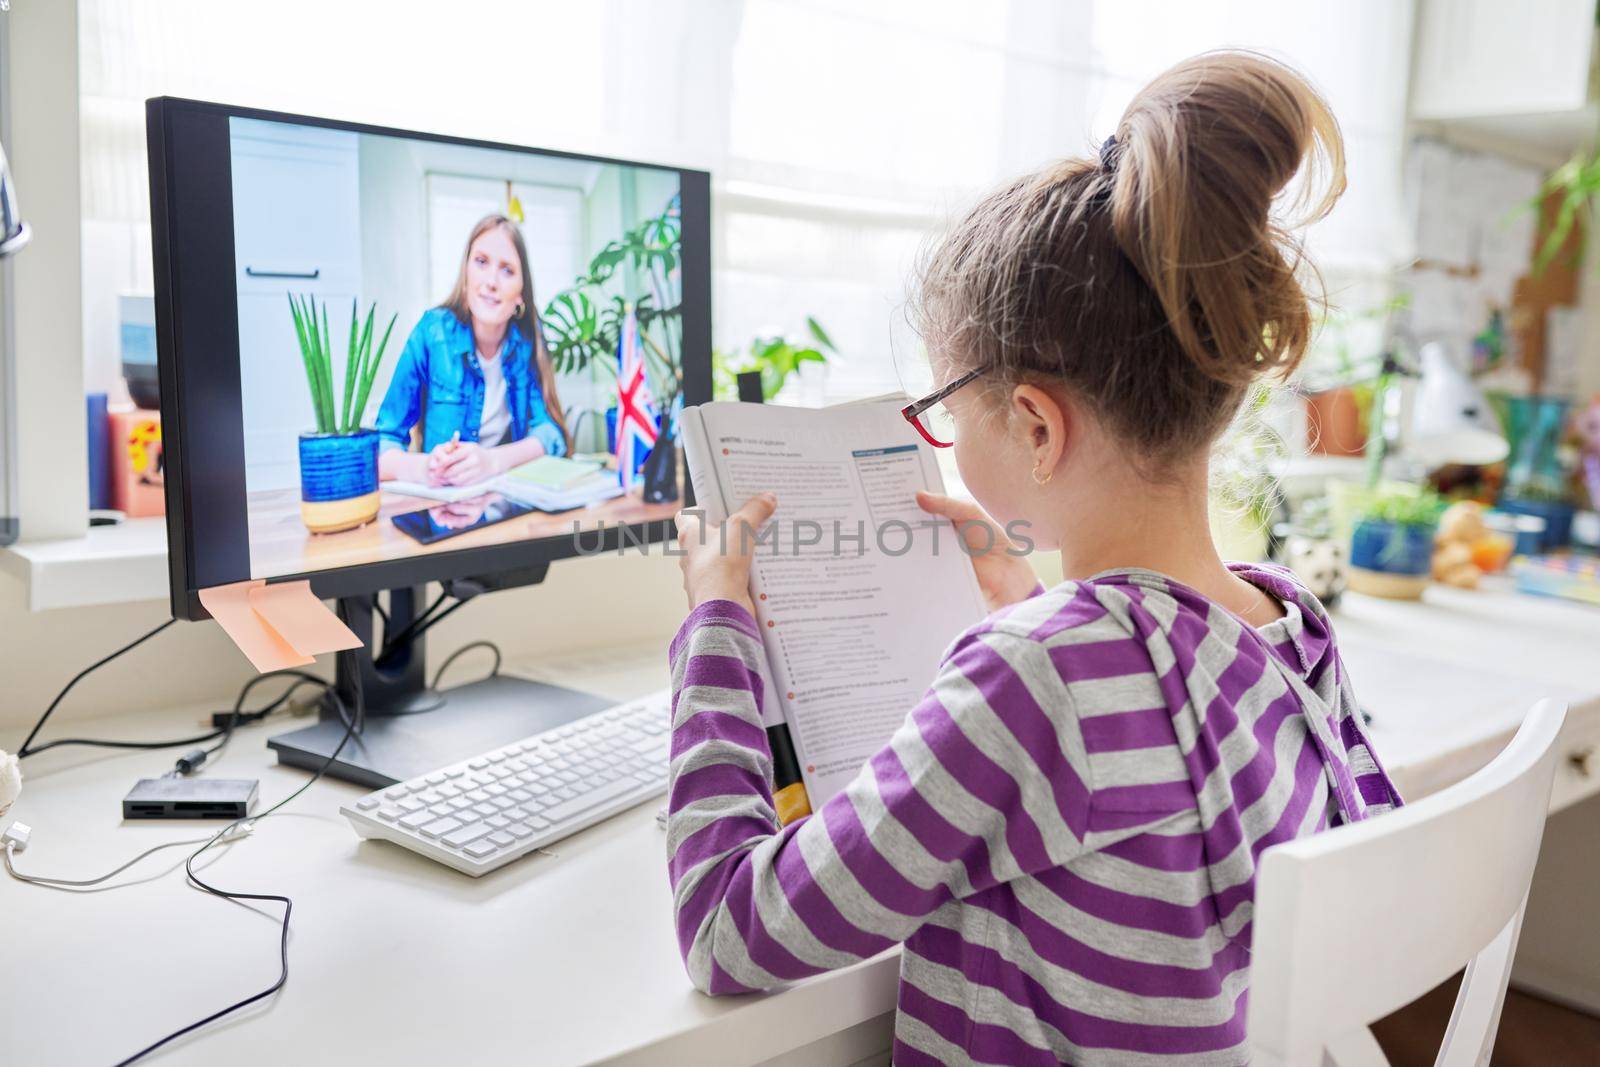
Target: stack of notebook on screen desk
[{"x": 549, "y": 483}]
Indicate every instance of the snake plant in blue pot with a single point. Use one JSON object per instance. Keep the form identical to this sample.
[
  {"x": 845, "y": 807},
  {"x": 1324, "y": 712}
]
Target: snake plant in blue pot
[{"x": 339, "y": 459}]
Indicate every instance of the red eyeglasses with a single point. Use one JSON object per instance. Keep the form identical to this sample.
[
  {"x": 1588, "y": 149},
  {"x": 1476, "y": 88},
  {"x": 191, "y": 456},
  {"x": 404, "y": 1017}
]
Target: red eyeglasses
[{"x": 931, "y": 418}]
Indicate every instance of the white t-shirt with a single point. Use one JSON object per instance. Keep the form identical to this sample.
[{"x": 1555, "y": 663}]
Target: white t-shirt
[{"x": 496, "y": 412}]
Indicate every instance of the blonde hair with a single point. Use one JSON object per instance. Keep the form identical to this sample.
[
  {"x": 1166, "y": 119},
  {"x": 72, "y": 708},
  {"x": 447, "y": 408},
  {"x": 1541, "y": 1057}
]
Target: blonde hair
[
  {"x": 527, "y": 319},
  {"x": 1152, "y": 282}
]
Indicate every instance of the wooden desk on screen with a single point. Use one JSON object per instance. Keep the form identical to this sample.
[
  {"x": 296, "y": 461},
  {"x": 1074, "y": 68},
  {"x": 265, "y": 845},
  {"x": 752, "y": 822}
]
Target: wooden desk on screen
[{"x": 280, "y": 543}]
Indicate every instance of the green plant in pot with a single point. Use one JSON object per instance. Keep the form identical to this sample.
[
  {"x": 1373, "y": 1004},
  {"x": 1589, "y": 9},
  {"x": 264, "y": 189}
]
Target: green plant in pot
[
  {"x": 1391, "y": 544},
  {"x": 1339, "y": 384},
  {"x": 339, "y": 459},
  {"x": 774, "y": 358},
  {"x": 584, "y": 324}
]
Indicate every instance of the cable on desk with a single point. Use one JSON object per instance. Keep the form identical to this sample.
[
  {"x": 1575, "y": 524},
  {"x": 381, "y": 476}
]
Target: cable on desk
[
  {"x": 27, "y": 749},
  {"x": 224, "y": 722},
  {"x": 352, "y": 723},
  {"x": 68, "y": 883},
  {"x": 463, "y": 650}
]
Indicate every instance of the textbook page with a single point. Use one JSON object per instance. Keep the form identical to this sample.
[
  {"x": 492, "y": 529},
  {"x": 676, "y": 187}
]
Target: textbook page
[{"x": 858, "y": 591}]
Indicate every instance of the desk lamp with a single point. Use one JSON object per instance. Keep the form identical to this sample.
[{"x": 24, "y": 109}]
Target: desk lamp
[{"x": 1451, "y": 421}]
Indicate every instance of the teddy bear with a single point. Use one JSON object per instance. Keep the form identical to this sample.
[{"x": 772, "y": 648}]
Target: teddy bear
[
  {"x": 1461, "y": 529},
  {"x": 10, "y": 781}
]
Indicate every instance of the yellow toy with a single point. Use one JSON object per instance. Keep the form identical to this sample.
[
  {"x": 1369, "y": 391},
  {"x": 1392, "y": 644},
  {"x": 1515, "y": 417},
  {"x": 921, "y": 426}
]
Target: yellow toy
[{"x": 1461, "y": 531}]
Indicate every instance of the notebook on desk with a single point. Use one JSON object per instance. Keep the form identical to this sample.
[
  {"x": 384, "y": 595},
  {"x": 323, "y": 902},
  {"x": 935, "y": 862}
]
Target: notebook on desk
[{"x": 549, "y": 478}]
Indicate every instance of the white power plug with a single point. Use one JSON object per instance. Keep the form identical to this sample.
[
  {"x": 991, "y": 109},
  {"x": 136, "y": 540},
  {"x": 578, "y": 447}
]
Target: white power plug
[{"x": 16, "y": 837}]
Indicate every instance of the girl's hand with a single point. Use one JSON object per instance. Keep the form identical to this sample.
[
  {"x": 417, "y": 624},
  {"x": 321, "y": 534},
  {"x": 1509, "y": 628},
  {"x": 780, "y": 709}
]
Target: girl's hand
[
  {"x": 469, "y": 464},
  {"x": 716, "y": 560},
  {"x": 1005, "y": 579}
]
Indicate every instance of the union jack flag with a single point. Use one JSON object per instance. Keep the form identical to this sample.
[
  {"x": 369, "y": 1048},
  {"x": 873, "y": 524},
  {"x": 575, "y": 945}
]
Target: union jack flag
[{"x": 636, "y": 414}]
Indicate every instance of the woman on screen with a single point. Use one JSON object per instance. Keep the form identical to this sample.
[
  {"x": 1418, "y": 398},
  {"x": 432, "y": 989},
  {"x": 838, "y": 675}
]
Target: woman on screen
[{"x": 475, "y": 373}]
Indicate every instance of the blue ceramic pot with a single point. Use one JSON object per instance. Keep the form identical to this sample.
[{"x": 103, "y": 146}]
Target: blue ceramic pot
[
  {"x": 338, "y": 480},
  {"x": 1391, "y": 549}
]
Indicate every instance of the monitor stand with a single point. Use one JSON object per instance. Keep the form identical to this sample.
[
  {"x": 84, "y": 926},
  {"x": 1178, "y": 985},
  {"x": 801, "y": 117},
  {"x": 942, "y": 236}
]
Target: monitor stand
[{"x": 410, "y": 729}]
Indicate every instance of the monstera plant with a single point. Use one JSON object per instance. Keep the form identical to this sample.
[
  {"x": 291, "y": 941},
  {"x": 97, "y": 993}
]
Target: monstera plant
[{"x": 583, "y": 323}]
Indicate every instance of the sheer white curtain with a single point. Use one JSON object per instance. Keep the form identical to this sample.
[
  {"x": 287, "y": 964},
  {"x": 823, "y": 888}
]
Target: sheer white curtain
[{"x": 839, "y": 133}]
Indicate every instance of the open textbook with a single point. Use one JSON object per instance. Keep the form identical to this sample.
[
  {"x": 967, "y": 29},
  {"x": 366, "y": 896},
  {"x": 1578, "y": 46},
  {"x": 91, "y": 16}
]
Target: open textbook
[{"x": 857, "y": 590}]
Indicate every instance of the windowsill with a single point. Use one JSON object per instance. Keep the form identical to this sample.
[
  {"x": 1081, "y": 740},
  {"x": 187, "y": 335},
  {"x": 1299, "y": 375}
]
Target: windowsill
[{"x": 109, "y": 565}]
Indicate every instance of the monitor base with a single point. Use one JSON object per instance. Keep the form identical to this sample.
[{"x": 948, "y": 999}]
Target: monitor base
[{"x": 473, "y": 718}]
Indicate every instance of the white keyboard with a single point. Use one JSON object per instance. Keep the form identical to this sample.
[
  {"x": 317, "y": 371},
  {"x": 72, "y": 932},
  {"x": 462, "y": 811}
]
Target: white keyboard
[{"x": 486, "y": 811}]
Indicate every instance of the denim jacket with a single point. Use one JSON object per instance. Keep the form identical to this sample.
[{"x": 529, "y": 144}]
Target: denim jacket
[{"x": 440, "y": 380}]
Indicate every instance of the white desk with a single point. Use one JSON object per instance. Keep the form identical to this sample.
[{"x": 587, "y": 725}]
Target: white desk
[{"x": 571, "y": 959}]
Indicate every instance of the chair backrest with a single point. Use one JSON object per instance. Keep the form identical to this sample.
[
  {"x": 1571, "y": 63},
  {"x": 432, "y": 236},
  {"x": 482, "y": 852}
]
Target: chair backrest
[{"x": 1353, "y": 924}]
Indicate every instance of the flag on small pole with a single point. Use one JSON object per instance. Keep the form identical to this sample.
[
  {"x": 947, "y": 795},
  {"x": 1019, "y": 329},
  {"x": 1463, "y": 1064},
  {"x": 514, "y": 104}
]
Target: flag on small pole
[{"x": 636, "y": 416}]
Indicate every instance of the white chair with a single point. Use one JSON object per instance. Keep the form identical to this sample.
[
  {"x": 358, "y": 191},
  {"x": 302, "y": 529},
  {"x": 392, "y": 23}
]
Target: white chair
[{"x": 1353, "y": 924}]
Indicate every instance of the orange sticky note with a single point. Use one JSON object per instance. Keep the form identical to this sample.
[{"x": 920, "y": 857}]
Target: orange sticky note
[
  {"x": 261, "y": 644},
  {"x": 301, "y": 619}
]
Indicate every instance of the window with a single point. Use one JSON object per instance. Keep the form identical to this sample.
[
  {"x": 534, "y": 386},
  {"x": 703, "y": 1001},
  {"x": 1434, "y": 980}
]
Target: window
[{"x": 839, "y": 134}]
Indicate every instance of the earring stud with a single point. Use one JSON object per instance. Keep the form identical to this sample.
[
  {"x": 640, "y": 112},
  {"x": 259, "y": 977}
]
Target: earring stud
[{"x": 1045, "y": 480}]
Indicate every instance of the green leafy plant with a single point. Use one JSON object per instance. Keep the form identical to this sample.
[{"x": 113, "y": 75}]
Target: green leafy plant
[
  {"x": 774, "y": 357},
  {"x": 1575, "y": 184},
  {"x": 1401, "y": 505},
  {"x": 316, "y": 353},
  {"x": 583, "y": 323}
]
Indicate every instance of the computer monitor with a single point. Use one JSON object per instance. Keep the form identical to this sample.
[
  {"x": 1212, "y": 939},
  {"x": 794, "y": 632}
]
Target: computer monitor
[{"x": 389, "y": 358}]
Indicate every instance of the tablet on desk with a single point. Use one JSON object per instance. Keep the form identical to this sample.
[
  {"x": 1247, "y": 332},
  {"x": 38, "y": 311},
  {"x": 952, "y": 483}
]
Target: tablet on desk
[{"x": 457, "y": 517}]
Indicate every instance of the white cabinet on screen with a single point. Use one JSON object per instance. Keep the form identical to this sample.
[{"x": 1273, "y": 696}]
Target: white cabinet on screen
[{"x": 297, "y": 229}]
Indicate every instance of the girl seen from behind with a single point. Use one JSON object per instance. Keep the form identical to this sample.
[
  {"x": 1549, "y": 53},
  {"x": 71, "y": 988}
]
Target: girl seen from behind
[{"x": 1063, "y": 833}]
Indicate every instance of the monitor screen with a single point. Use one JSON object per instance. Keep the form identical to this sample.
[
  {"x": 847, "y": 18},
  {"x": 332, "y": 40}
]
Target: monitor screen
[{"x": 445, "y": 349}]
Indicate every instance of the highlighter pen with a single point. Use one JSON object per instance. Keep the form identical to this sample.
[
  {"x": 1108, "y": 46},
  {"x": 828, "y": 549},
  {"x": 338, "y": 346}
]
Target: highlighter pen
[{"x": 788, "y": 789}]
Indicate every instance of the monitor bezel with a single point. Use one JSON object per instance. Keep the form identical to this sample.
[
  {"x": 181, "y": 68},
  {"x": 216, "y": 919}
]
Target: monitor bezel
[{"x": 196, "y": 306}]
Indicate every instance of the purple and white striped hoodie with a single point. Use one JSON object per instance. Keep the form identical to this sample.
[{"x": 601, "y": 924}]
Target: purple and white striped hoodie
[{"x": 1063, "y": 833}]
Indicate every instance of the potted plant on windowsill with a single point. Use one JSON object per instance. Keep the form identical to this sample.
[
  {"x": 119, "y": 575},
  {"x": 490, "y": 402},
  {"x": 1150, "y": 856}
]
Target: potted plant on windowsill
[
  {"x": 774, "y": 357},
  {"x": 1391, "y": 545},
  {"x": 339, "y": 459}
]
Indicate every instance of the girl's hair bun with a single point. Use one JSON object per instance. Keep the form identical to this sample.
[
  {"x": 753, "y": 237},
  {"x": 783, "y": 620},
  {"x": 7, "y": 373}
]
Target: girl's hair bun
[{"x": 1194, "y": 170}]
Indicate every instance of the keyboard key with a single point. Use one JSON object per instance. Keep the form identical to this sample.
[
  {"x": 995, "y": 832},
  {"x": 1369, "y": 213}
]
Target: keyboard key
[
  {"x": 494, "y": 790},
  {"x": 486, "y": 809},
  {"x": 592, "y": 799},
  {"x": 478, "y": 764},
  {"x": 501, "y": 838},
  {"x": 518, "y": 813},
  {"x": 519, "y": 830},
  {"x": 471, "y": 832},
  {"x": 459, "y": 803},
  {"x": 439, "y": 827},
  {"x": 479, "y": 849},
  {"x": 566, "y": 793},
  {"x": 417, "y": 818},
  {"x": 503, "y": 803},
  {"x": 389, "y": 814},
  {"x": 449, "y": 790},
  {"x": 396, "y": 793},
  {"x": 520, "y": 795},
  {"x": 441, "y": 809},
  {"x": 477, "y": 796},
  {"x": 367, "y": 803},
  {"x": 498, "y": 821},
  {"x": 409, "y": 804},
  {"x": 437, "y": 778},
  {"x": 540, "y": 823}
]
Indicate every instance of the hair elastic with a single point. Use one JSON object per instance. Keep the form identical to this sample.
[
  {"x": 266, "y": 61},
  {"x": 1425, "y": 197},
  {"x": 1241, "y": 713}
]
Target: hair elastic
[{"x": 1108, "y": 157}]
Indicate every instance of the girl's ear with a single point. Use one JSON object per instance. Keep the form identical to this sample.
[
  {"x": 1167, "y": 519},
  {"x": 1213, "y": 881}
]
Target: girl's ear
[{"x": 1042, "y": 422}]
